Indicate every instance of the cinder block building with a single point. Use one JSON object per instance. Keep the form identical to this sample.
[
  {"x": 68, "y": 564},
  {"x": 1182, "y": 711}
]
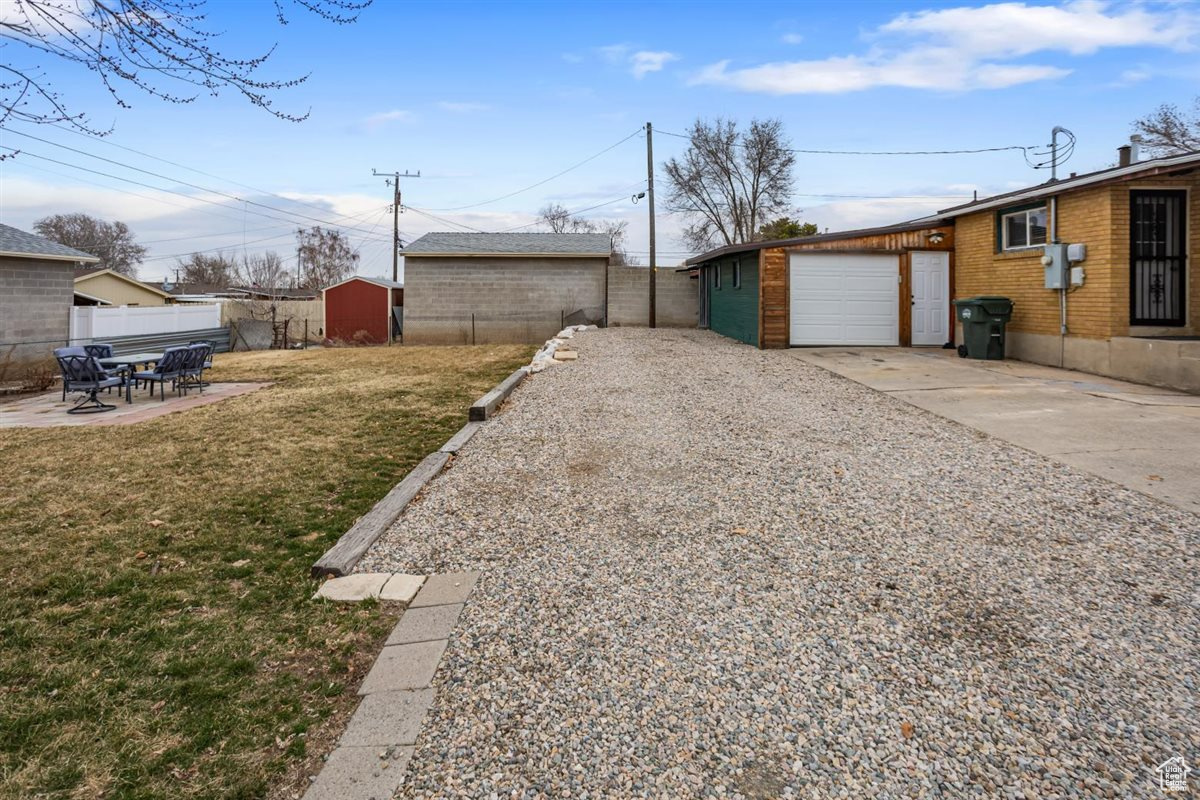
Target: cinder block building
[
  {"x": 37, "y": 289},
  {"x": 494, "y": 288}
]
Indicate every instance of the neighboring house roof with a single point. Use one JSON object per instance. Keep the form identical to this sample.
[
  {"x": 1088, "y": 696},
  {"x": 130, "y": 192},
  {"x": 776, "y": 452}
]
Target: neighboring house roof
[
  {"x": 448, "y": 243},
  {"x": 274, "y": 292},
  {"x": 16, "y": 243},
  {"x": 177, "y": 289},
  {"x": 87, "y": 274},
  {"x": 377, "y": 281},
  {"x": 100, "y": 301},
  {"x": 899, "y": 227},
  {"x": 1139, "y": 169}
]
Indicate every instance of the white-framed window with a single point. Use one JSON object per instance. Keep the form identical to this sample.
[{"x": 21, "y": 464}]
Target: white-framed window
[
  {"x": 716, "y": 276},
  {"x": 737, "y": 274},
  {"x": 1024, "y": 228}
]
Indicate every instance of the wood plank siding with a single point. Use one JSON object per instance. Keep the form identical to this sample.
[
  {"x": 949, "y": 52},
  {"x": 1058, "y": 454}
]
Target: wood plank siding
[
  {"x": 773, "y": 299},
  {"x": 775, "y": 314}
]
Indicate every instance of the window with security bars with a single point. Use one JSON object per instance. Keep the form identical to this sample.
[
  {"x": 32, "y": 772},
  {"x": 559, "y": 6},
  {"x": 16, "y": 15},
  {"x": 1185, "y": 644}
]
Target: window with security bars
[{"x": 1158, "y": 257}]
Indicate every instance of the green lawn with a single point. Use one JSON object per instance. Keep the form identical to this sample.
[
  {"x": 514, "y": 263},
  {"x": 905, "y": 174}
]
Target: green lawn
[{"x": 157, "y": 639}]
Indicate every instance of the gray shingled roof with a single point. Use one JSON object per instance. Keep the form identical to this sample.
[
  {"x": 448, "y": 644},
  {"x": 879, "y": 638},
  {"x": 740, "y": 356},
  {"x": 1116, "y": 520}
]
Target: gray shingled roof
[
  {"x": 14, "y": 242},
  {"x": 511, "y": 244}
]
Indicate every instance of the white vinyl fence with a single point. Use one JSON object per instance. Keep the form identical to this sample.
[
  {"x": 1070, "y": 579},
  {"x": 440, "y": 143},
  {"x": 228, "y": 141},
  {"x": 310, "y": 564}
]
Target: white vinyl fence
[{"x": 100, "y": 322}]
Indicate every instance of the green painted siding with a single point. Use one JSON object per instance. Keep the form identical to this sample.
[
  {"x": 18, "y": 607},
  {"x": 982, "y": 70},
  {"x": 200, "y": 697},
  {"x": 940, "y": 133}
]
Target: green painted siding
[{"x": 734, "y": 312}]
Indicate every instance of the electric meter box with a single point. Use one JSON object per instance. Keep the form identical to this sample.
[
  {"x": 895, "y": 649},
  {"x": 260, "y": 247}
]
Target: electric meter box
[
  {"x": 1076, "y": 253},
  {"x": 1055, "y": 262}
]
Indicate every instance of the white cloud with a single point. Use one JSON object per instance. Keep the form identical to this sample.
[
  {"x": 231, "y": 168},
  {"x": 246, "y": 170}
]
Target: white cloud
[
  {"x": 968, "y": 48},
  {"x": 640, "y": 62},
  {"x": 645, "y": 61},
  {"x": 1130, "y": 77},
  {"x": 462, "y": 108},
  {"x": 792, "y": 38},
  {"x": 376, "y": 121}
]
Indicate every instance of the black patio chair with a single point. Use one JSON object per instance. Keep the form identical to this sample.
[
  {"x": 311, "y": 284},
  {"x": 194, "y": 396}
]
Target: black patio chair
[
  {"x": 208, "y": 360},
  {"x": 68, "y": 351},
  {"x": 168, "y": 368},
  {"x": 82, "y": 373},
  {"x": 191, "y": 374},
  {"x": 103, "y": 350}
]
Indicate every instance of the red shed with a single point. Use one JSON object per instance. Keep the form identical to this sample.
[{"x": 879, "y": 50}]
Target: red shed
[{"x": 361, "y": 310}]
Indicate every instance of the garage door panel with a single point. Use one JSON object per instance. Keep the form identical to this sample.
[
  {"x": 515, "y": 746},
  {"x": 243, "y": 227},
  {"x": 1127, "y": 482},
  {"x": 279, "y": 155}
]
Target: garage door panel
[{"x": 844, "y": 299}]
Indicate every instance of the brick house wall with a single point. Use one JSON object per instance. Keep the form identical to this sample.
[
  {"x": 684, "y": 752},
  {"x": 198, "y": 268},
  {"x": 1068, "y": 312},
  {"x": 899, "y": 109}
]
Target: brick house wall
[
  {"x": 513, "y": 299},
  {"x": 35, "y": 307},
  {"x": 1097, "y": 217}
]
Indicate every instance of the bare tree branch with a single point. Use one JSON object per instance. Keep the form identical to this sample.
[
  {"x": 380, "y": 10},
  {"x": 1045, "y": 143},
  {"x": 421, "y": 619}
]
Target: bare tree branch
[
  {"x": 1168, "y": 131},
  {"x": 112, "y": 242},
  {"x": 728, "y": 180},
  {"x": 558, "y": 219},
  {"x": 150, "y": 45}
]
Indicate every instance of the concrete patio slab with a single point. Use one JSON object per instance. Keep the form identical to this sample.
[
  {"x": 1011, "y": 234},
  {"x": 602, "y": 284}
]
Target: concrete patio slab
[
  {"x": 1144, "y": 437},
  {"x": 425, "y": 624},
  {"x": 360, "y": 773},
  {"x": 353, "y": 588},
  {"x": 387, "y": 719},
  {"x": 401, "y": 587},
  {"x": 445, "y": 589},
  {"x": 403, "y": 666},
  {"x": 47, "y": 410}
]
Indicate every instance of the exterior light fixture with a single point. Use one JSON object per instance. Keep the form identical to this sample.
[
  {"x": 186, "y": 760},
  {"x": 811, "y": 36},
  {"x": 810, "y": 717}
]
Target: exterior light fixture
[{"x": 937, "y": 237}]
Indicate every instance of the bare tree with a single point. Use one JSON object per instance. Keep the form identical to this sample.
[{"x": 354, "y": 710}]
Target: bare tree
[
  {"x": 325, "y": 257},
  {"x": 265, "y": 271},
  {"x": 559, "y": 220},
  {"x": 164, "y": 48},
  {"x": 1168, "y": 131},
  {"x": 728, "y": 181},
  {"x": 112, "y": 242},
  {"x": 211, "y": 268}
]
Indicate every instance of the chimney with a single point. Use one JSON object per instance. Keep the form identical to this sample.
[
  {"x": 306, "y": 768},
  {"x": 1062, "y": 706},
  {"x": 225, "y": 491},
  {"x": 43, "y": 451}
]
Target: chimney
[
  {"x": 1124, "y": 155},
  {"x": 1135, "y": 148}
]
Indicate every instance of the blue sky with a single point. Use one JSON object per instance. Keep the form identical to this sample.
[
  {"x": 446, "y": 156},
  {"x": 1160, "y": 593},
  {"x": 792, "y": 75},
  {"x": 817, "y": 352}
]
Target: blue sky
[{"x": 487, "y": 98}]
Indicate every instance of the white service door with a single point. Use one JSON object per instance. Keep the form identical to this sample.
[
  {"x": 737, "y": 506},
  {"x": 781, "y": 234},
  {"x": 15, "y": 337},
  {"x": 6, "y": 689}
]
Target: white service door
[
  {"x": 930, "y": 298},
  {"x": 844, "y": 298}
]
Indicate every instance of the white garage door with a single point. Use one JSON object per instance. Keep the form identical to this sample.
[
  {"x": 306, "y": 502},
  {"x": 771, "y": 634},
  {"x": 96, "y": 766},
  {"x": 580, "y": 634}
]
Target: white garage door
[{"x": 845, "y": 298}]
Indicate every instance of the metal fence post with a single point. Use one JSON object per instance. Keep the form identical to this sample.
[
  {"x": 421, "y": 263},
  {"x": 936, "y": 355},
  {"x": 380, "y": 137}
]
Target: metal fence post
[{"x": 472, "y": 329}]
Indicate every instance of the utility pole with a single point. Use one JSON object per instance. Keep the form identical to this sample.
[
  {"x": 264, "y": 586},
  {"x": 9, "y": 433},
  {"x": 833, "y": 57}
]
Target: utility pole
[
  {"x": 650, "y": 191},
  {"x": 393, "y": 180}
]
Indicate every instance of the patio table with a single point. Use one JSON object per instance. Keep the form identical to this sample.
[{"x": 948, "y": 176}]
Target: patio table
[{"x": 131, "y": 361}]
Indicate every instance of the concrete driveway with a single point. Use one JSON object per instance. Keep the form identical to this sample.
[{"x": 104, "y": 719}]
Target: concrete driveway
[{"x": 1143, "y": 437}]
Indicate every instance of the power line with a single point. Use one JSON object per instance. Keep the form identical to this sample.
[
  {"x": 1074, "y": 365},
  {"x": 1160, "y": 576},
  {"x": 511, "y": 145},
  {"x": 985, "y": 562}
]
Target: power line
[
  {"x": 111, "y": 143},
  {"x": 176, "y": 180},
  {"x": 159, "y": 188},
  {"x": 880, "y": 152},
  {"x": 216, "y": 249},
  {"x": 545, "y": 181},
  {"x": 575, "y": 211},
  {"x": 425, "y": 213}
]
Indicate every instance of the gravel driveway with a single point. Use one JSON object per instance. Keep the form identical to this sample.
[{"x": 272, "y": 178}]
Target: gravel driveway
[{"x": 711, "y": 571}]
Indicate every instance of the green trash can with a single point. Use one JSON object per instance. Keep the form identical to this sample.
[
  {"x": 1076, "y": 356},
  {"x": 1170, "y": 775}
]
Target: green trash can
[{"x": 983, "y": 320}]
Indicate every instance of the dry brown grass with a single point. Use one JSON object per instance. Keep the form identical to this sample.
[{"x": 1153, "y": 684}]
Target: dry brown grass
[{"x": 158, "y": 636}]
